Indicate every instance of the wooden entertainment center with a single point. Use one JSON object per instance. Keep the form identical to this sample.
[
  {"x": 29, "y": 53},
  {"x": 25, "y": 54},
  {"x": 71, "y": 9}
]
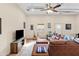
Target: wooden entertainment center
[{"x": 16, "y": 46}]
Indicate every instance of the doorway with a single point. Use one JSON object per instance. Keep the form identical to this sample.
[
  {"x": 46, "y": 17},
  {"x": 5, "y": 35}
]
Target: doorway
[{"x": 59, "y": 28}]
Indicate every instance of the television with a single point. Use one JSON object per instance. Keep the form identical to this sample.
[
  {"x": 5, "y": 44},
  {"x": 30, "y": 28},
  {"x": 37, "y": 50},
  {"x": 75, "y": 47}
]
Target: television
[{"x": 19, "y": 34}]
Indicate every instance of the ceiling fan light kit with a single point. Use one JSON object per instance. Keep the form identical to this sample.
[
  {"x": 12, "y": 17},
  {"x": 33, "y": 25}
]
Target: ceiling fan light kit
[{"x": 49, "y": 11}]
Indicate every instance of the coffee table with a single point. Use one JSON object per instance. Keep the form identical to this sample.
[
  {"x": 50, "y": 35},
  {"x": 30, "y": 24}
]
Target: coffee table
[{"x": 34, "y": 53}]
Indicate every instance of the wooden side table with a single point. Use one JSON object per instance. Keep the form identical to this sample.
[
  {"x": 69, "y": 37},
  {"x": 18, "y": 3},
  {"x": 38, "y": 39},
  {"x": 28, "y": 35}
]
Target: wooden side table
[
  {"x": 14, "y": 48},
  {"x": 34, "y": 53}
]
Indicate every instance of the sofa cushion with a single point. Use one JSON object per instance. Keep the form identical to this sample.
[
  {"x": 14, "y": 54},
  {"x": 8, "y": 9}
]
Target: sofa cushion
[{"x": 76, "y": 40}]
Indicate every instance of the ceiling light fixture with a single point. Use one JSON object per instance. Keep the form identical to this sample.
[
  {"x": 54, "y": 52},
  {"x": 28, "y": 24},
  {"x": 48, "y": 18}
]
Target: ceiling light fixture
[{"x": 49, "y": 11}]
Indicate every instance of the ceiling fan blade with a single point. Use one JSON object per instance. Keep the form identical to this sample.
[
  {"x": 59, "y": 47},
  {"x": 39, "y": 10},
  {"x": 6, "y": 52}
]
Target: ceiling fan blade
[
  {"x": 37, "y": 8},
  {"x": 69, "y": 11},
  {"x": 32, "y": 9},
  {"x": 54, "y": 10},
  {"x": 58, "y": 5},
  {"x": 44, "y": 9}
]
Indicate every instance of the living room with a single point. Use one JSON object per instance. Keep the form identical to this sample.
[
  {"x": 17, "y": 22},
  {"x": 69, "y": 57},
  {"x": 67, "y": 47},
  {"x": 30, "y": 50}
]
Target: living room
[{"x": 38, "y": 25}]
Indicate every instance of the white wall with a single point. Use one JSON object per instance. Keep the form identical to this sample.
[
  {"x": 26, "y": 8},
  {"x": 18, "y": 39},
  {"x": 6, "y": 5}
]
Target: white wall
[
  {"x": 12, "y": 19},
  {"x": 35, "y": 20},
  {"x": 44, "y": 19},
  {"x": 77, "y": 24},
  {"x": 66, "y": 19}
]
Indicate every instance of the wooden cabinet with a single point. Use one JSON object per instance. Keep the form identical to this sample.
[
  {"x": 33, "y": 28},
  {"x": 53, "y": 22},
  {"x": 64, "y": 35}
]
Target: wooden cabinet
[{"x": 14, "y": 48}]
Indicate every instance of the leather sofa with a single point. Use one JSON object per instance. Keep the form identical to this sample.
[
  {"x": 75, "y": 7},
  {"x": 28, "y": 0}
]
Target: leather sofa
[{"x": 63, "y": 48}]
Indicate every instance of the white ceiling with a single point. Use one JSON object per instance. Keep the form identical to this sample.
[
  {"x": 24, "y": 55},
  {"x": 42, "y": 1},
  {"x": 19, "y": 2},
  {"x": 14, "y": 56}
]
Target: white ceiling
[{"x": 63, "y": 7}]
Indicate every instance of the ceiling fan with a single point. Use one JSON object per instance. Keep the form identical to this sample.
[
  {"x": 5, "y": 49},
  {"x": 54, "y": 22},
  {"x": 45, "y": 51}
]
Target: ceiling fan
[
  {"x": 53, "y": 7},
  {"x": 48, "y": 7}
]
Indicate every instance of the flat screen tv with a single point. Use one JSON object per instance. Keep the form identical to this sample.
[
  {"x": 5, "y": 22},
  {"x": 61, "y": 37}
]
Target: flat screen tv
[{"x": 19, "y": 34}]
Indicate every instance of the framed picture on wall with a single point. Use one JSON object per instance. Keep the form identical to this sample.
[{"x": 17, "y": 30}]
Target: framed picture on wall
[
  {"x": 68, "y": 26},
  {"x": 31, "y": 27},
  {"x": 24, "y": 25}
]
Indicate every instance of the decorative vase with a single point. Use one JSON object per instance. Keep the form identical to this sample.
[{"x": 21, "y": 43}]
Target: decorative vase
[{"x": 34, "y": 37}]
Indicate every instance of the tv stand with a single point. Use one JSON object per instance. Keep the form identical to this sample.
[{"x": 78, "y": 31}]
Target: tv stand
[{"x": 16, "y": 46}]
